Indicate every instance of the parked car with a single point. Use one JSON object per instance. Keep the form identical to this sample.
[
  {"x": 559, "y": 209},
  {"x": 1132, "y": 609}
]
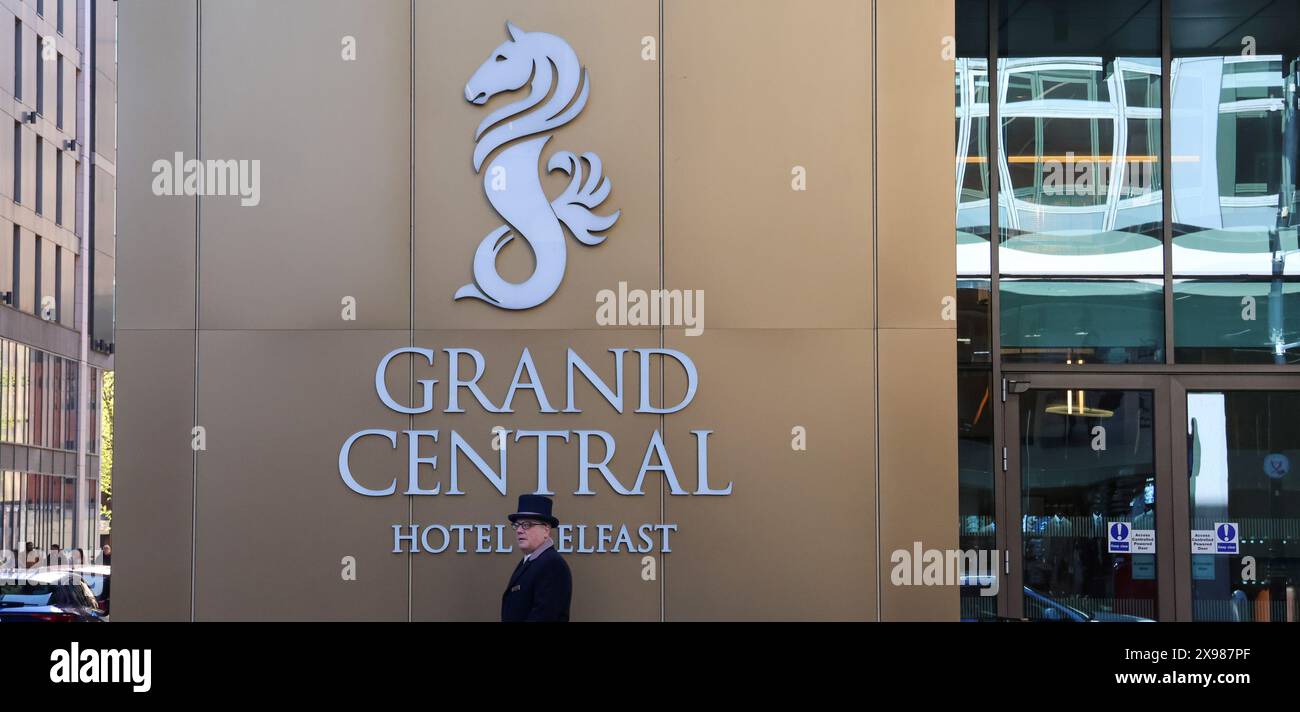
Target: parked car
[
  {"x": 1050, "y": 609},
  {"x": 46, "y": 595},
  {"x": 1037, "y": 605},
  {"x": 96, "y": 577}
]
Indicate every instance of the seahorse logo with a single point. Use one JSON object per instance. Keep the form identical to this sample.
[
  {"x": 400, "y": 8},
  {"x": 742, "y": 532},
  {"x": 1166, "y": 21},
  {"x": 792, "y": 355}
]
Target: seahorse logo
[{"x": 511, "y": 181}]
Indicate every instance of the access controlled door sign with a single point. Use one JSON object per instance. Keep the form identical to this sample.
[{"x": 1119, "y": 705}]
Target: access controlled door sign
[
  {"x": 1144, "y": 541},
  {"x": 1122, "y": 538},
  {"x": 1223, "y": 539}
]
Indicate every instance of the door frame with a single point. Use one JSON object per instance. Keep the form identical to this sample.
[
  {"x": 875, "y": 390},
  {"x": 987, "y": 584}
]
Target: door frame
[
  {"x": 1180, "y": 384},
  {"x": 1010, "y": 535}
]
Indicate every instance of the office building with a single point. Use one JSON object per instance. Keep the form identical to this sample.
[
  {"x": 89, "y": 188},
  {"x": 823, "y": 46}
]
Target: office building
[{"x": 58, "y": 104}]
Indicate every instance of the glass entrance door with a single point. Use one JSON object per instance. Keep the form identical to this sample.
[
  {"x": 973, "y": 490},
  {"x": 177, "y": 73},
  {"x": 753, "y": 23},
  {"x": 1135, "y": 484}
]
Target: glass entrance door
[
  {"x": 1239, "y": 552},
  {"x": 1085, "y": 498}
]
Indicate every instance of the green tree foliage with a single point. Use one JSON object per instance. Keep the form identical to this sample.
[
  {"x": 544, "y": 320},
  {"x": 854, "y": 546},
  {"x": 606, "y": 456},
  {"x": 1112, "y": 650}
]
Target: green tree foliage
[{"x": 106, "y": 447}]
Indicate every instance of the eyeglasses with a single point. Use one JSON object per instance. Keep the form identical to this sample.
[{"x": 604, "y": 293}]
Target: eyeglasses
[{"x": 525, "y": 524}]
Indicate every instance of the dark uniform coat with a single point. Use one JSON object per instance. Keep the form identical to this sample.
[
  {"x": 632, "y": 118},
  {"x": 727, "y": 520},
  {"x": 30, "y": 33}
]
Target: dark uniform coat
[{"x": 539, "y": 590}]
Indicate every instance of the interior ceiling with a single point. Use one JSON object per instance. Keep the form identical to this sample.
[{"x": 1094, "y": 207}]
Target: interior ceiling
[{"x": 1112, "y": 28}]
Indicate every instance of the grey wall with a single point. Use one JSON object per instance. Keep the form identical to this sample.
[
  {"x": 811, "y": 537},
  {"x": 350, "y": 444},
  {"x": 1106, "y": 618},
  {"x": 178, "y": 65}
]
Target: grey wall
[{"x": 229, "y": 316}]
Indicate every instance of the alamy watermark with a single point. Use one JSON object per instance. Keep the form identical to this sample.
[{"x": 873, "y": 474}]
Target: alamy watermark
[
  {"x": 1091, "y": 175},
  {"x": 14, "y": 562},
  {"x": 213, "y": 176},
  {"x": 946, "y": 567},
  {"x": 132, "y": 666},
  {"x": 655, "y": 307}
]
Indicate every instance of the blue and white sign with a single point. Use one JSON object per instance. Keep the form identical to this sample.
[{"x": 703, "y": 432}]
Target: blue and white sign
[
  {"x": 1276, "y": 465},
  {"x": 1119, "y": 538},
  {"x": 1225, "y": 538}
]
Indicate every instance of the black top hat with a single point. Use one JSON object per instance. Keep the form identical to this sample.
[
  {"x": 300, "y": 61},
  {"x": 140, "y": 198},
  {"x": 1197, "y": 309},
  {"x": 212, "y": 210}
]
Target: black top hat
[{"x": 535, "y": 506}]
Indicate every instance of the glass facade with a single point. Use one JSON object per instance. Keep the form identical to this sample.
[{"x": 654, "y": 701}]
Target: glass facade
[
  {"x": 38, "y": 435},
  {"x": 38, "y": 396},
  {"x": 1081, "y": 321},
  {"x": 1079, "y": 153},
  {"x": 1230, "y": 321},
  {"x": 1234, "y": 141},
  {"x": 38, "y": 512},
  {"x": 975, "y": 402},
  {"x": 1136, "y": 160}
]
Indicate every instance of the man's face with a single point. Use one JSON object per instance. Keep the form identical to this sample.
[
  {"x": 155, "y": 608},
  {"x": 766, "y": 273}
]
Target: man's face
[{"x": 530, "y": 534}]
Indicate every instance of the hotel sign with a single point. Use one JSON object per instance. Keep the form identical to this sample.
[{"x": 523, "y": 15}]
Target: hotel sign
[
  {"x": 558, "y": 87},
  {"x": 461, "y": 389}
]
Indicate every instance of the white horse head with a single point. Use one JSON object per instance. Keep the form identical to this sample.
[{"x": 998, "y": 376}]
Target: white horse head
[
  {"x": 508, "y": 69},
  {"x": 545, "y": 59}
]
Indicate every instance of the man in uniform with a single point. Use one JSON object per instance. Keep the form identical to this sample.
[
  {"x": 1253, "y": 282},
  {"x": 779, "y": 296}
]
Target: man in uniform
[{"x": 541, "y": 586}]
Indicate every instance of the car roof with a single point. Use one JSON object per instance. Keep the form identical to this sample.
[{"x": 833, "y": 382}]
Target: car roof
[
  {"x": 87, "y": 569},
  {"x": 42, "y": 575}
]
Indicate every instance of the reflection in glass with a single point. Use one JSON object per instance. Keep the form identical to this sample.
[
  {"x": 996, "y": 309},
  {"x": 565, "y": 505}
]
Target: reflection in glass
[
  {"x": 975, "y": 480},
  {"x": 972, "y": 105},
  {"x": 9, "y": 506},
  {"x": 1233, "y": 137},
  {"x": 1237, "y": 322},
  {"x": 1243, "y": 448},
  {"x": 1079, "y": 103},
  {"x": 92, "y": 511},
  {"x": 1233, "y": 172},
  {"x": 38, "y": 399},
  {"x": 1086, "y": 463},
  {"x": 1082, "y": 321},
  {"x": 975, "y": 506},
  {"x": 974, "y": 305},
  {"x": 1081, "y": 166},
  {"x": 972, "y": 167},
  {"x": 41, "y": 509}
]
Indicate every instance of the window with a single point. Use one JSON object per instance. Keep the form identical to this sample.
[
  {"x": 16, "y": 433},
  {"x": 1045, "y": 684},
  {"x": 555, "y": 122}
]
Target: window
[
  {"x": 59, "y": 17},
  {"x": 58, "y": 289},
  {"x": 1254, "y": 320},
  {"x": 58, "y": 186},
  {"x": 18, "y": 162},
  {"x": 5, "y": 410},
  {"x": 1080, "y": 197},
  {"x": 40, "y": 7},
  {"x": 20, "y": 394},
  {"x": 1110, "y": 321},
  {"x": 18, "y": 59},
  {"x": 39, "y": 393},
  {"x": 36, "y": 278},
  {"x": 58, "y": 98},
  {"x": 56, "y": 394},
  {"x": 1235, "y": 252},
  {"x": 17, "y": 267},
  {"x": 40, "y": 175},
  {"x": 1235, "y": 101},
  {"x": 70, "y": 427},
  {"x": 40, "y": 76}
]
